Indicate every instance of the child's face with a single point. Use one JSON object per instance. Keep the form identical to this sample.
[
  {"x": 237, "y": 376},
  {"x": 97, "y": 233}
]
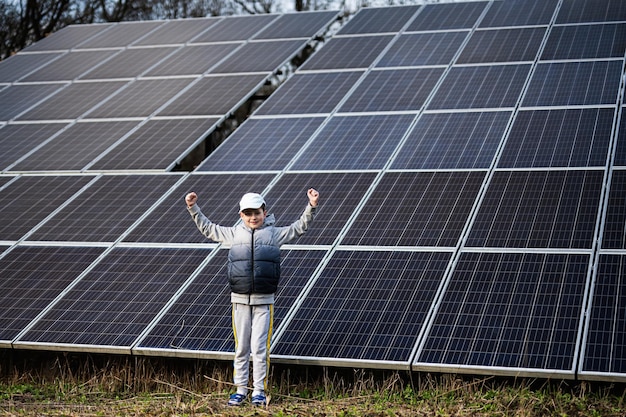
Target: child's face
[{"x": 253, "y": 218}]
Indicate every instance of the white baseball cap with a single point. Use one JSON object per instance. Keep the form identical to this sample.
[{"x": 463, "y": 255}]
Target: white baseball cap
[{"x": 251, "y": 201}]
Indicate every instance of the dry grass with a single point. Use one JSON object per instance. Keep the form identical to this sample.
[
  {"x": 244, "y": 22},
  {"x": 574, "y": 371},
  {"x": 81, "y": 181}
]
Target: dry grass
[{"x": 38, "y": 384}]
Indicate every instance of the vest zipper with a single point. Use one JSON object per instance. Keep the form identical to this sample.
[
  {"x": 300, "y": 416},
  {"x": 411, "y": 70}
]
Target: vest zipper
[{"x": 252, "y": 254}]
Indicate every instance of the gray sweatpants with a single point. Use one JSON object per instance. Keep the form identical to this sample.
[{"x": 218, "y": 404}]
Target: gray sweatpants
[{"x": 252, "y": 330}]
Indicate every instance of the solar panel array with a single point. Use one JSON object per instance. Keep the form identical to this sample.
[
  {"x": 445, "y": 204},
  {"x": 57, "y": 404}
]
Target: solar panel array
[{"x": 470, "y": 161}]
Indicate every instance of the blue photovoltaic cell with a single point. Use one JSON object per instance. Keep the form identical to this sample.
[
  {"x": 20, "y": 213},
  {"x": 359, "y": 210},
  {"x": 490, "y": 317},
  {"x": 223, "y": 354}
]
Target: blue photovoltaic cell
[
  {"x": 192, "y": 60},
  {"x": 118, "y": 298},
  {"x": 355, "y": 142},
  {"x": 519, "y": 13},
  {"x": 129, "y": 63},
  {"x": 73, "y": 101},
  {"x": 218, "y": 198},
  {"x": 214, "y": 95},
  {"x": 17, "y": 140},
  {"x": 341, "y": 193},
  {"x": 580, "y": 11},
  {"x": 586, "y": 41},
  {"x": 155, "y": 145},
  {"x": 605, "y": 345},
  {"x": 416, "y": 209},
  {"x": 260, "y": 56},
  {"x": 393, "y": 90},
  {"x": 379, "y": 20},
  {"x": 32, "y": 278},
  {"x": 310, "y": 93},
  {"x": 448, "y": 16},
  {"x": 614, "y": 236},
  {"x": 538, "y": 209},
  {"x": 574, "y": 83},
  {"x": 480, "y": 87},
  {"x": 69, "y": 37},
  {"x": 437, "y": 48},
  {"x": 75, "y": 147},
  {"x": 201, "y": 318},
  {"x": 70, "y": 66},
  {"x": 15, "y": 67},
  {"x": 513, "y": 310},
  {"x": 140, "y": 98},
  {"x": 503, "y": 45},
  {"x": 365, "y": 305},
  {"x": 352, "y": 52},
  {"x": 453, "y": 141},
  {"x": 106, "y": 209},
  {"x": 122, "y": 34},
  {"x": 558, "y": 138},
  {"x": 20, "y": 97},
  {"x": 30, "y": 199},
  {"x": 280, "y": 140}
]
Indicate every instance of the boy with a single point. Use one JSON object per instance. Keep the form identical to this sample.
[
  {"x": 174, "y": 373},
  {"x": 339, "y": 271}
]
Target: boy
[{"x": 253, "y": 274}]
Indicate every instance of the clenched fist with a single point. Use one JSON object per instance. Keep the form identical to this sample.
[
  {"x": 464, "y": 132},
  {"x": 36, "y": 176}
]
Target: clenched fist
[{"x": 191, "y": 199}]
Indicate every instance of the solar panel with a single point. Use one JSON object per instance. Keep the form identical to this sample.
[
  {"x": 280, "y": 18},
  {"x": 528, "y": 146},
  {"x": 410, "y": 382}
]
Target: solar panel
[
  {"x": 416, "y": 209},
  {"x": 393, "y": 90},
  {"x": 605, "y": 343},
  {"x": 30, "y": 199},
  {"x": 480, "y": 87},
  {"x": 71, "y": 102},
  {"x": 280, "y": 140},
  {"x": 579, "y": 11},
  {"x": 17, "y": 140},
  {"x": 415, "y": 49},
  {"x": 152, "y": 93},
  {"x": 297, "y": 25},
  {"x": 69, "y": 37},
  {"x": 70, "y": 66},
  {"x": 105, "y": 210},
  {"x": 335, "y": 146},
  {"x": 32, "y": 278},
  {"x": 121, "y": 34},
  {"x": 218, "y": 198},
  {"x": 509, "y": 310},
  {"x": 18, "y": 98},
  {"x": 114, "y": 302},
  {"x": 259, "y": 56},
  {"x": 558, "y": 138},
  {"x": 352, "y": 52},
  {"x": 391, "y": 19},
  {"x": 17, "y": 66},
  {"x": 519, "y": 13},
  {"x": 75, "y": 147},
  {"x": 235, "y": 28},
  {"x": 448, "y": 16},
  {"x": 310, "y": 93},
  {"x": 342, "y": 194},
  {"x": 214, "y": 95},
  {"x": 503, "y": 45},
  {"x": 177, "y": 31},
  {"x": 586, "y": 41},
  {"x": 192, "y": 60},
  {"x": 453, "y": 141},
  {"x": 129, "y": 63},
  {"x": 538, "y": 209},
  {"x": 368, "y": 306},
  {"x": 574, "y": 83},
  {"x": 157, "y": 144}
]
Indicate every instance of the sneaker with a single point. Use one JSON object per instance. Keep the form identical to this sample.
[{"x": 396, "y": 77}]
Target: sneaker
[
  {"x": 236, "y": 399},
  {"x": 259, "y": 400}
]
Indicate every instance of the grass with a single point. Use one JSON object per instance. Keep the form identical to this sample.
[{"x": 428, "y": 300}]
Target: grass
[{"x": 36, "y": 384}]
